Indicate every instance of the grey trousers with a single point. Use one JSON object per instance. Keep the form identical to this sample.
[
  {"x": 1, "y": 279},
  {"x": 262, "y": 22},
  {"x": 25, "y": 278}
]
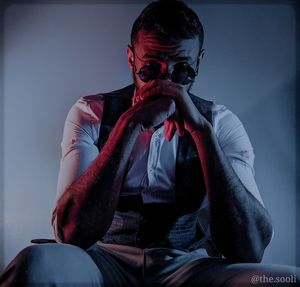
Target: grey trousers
[{"x": 109, "y": 265}]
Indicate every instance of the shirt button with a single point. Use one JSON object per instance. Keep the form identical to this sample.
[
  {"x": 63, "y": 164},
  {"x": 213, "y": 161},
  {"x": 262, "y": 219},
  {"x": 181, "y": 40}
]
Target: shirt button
[{"x": 143, "y": 220}]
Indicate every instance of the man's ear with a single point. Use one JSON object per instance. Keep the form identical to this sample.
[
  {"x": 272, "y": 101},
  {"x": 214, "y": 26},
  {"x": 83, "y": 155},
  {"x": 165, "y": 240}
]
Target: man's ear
[
  {"x": 201, "y": 54},
  {"x": 130, "y": 58},
  {"x": 200, "y": 57}
]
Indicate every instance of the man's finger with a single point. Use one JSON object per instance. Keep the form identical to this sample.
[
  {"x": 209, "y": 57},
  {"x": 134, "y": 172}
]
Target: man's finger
[
  {"x": 166, "y": 127},
  {"x": 179, "y": 127},
  {"x": 137, "y": 96},
  {"x": 150, "y": 92},
  {"x": 178, "y": 122},
  {"x": 171, "y": 130}
]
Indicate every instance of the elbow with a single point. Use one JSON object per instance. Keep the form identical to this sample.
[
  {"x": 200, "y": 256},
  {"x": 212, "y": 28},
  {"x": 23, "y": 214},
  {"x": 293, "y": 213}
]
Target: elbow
[
  {"x": 62, "y": 233},
  {"x": 57, "y": 230},
  {"x": 71, "y": 234},
  {"x": 66, "y": 226},
  {"x": 268, "y": 231},
  {"x": 73, "y": 225},
  {"x": 251, "y": 250},
  {"x": 74, "y": 232},
  {"x": 247, "y": 249}
]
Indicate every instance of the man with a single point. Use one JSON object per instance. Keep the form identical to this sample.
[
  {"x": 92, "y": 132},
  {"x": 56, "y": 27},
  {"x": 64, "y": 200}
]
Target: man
[{"x": 156, "y": 185}]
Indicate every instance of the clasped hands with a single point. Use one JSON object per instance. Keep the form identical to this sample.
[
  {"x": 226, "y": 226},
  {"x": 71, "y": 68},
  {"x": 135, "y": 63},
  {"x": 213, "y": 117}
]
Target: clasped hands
[{"x": 162, "y": 101}]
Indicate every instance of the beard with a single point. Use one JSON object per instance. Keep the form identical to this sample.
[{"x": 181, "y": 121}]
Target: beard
[{"x": 134, "y": 80}]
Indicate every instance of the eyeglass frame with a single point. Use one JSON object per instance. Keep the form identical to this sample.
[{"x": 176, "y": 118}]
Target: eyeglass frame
[{"x": 195, "y": 71}]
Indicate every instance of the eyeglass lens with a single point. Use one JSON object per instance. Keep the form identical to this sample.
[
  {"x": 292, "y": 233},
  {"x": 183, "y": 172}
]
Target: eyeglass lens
[{"x": 182, "y": 73}]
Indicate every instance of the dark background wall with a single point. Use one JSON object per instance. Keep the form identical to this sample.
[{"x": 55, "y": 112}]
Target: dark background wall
[{"x": 54, "y": 52}]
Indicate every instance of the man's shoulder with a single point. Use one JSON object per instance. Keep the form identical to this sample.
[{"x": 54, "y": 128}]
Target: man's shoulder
[
  {"x": 87, "y": 112},
  {"x": 218, "y": 114},
  {"x": 92, "y": 106},
  {"x": 222, "y": 115}
]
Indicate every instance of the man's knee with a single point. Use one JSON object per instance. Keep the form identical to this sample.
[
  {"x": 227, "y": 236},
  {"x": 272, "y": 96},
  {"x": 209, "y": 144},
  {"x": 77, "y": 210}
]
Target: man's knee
[
  {"x": 51, "y": 263},
  {"x": 51, "y": 256}
]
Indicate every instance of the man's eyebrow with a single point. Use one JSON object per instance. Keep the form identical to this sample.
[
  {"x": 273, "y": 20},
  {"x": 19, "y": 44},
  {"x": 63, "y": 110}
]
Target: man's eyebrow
[
  {"x": 164, "y": 57},
  {"x": 155, "y": 56},
  {"x": 183, "y": 58}
]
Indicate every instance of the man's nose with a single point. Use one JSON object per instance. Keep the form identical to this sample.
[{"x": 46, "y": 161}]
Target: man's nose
[
  {"x": 167, "y": 67},
  {"x": 165, "y": 71}
]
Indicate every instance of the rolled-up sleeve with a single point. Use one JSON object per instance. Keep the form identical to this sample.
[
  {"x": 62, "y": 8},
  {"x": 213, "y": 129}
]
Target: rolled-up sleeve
[
  {"x": 79, "y": 143},
  {"x": 237, "y": 147}
]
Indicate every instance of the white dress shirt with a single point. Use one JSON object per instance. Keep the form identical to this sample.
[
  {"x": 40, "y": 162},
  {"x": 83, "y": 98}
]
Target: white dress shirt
[{"x": 151, "y": 168}]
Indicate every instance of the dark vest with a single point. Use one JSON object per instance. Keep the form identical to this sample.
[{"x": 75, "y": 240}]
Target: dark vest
[{"x": 182, "y": 225}]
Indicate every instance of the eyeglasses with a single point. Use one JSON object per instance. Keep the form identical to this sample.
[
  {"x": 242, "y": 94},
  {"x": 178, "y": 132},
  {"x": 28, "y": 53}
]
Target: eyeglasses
[{"x": 182, "y": 72}]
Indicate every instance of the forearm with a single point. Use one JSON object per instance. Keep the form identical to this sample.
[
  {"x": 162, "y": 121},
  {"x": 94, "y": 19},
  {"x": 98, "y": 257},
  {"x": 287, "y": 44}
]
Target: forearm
[
  {"x": 240, "y": 225},
  {"x": 85, "y": 210}
]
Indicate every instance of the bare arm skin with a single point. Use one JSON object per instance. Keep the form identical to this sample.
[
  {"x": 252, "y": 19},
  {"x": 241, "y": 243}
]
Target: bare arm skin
[
  {"x": 85, "y": 210},
  {"x": 240, "y": 225}
]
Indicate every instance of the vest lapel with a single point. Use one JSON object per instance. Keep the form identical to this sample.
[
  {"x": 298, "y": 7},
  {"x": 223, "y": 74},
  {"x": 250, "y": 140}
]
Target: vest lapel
[{"x": 115, "y": 104}]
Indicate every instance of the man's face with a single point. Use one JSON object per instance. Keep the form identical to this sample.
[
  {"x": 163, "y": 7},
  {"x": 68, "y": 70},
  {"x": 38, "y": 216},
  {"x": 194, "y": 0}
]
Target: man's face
[{"x": 149, "y": 50}]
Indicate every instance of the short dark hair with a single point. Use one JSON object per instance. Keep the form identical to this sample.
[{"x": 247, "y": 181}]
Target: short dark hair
[{"x": 170, "y": 20}]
